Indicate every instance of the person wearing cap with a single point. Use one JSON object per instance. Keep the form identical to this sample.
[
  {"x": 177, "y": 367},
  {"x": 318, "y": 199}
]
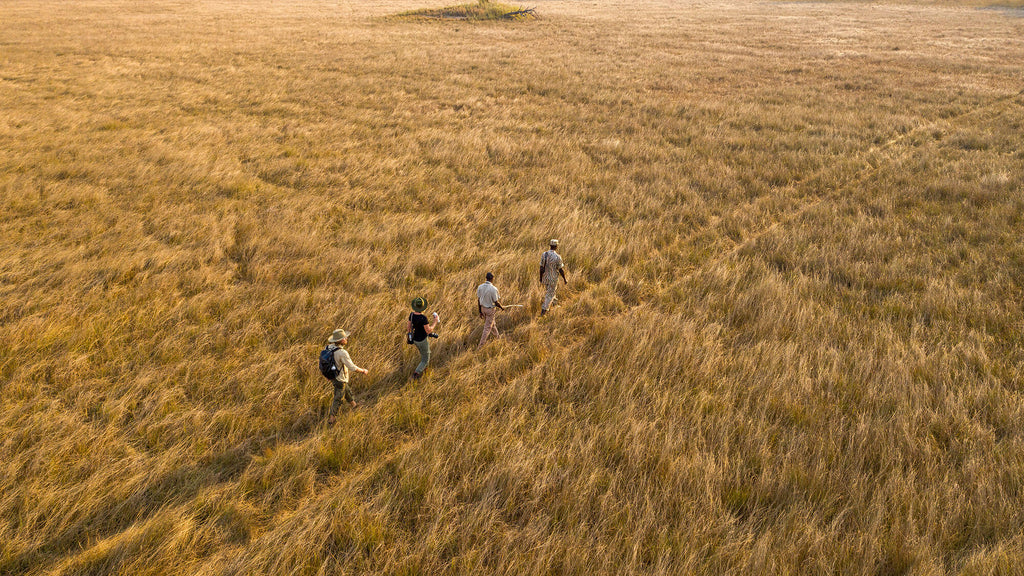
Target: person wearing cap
[
  {"x": 421, "y": 327},
  {"x": 486, "y": 301},
  {"x": 550, "y": 269},
  {"x": 344, "y": 363}
]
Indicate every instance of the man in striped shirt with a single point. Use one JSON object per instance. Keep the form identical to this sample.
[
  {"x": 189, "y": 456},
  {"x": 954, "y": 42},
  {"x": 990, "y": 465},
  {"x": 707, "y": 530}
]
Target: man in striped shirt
[{"x": 550, "y": 269}]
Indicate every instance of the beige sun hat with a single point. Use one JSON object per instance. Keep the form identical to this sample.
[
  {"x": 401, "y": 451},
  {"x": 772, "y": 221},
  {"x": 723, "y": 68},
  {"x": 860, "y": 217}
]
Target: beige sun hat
[
  {"x": 554, "y": 242},
  {"x": 338, "y": 336}
]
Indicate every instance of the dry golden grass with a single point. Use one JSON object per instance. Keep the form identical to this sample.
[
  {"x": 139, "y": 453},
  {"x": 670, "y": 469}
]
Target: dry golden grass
[{"x": 791, "y": 342}]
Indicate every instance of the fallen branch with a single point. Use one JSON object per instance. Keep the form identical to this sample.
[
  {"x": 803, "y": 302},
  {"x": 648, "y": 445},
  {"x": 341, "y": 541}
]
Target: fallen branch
[{"x": 521, "y": 12}]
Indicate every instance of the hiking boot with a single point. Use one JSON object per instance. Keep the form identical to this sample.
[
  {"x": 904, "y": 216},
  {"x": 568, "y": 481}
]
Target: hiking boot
[
  {"x": 416, "y": 375},
  {"x": 331, "y": 421}
]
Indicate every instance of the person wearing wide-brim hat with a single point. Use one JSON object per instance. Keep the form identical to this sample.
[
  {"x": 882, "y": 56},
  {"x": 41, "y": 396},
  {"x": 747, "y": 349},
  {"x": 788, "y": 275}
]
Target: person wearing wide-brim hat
[
  {"x": 420, "y": 327},
  {"x": 344, "y": 363},
  {"x": 550, "y": 269}
]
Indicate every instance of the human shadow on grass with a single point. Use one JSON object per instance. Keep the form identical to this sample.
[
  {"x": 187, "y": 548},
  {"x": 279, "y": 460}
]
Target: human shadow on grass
[{"x": 443, "y": 351}]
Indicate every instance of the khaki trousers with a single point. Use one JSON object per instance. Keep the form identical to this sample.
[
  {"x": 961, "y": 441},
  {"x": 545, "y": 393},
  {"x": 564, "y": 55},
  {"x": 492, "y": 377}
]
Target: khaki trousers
[
  {"x": 341, "y": 392},
  {"x": 489, "y": 325}
]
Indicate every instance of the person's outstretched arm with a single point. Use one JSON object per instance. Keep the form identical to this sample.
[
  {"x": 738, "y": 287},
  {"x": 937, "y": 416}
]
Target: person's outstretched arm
[{"x": 347, "y": 361}]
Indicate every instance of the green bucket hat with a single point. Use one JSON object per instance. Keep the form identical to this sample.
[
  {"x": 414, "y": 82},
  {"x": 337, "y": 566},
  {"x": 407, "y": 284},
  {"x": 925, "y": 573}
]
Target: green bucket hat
[{"x": 419, "y": 304}]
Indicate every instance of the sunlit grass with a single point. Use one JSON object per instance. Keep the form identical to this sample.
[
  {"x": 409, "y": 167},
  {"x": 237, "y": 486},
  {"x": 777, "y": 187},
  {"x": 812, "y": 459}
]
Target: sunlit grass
[{"x": 790, "y": 343}]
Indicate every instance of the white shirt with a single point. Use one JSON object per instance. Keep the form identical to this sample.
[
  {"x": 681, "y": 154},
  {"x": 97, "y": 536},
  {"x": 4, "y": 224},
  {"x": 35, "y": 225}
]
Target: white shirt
[
  {"x": 344, "y": 362},
  {"x": 487, "y": 294}
]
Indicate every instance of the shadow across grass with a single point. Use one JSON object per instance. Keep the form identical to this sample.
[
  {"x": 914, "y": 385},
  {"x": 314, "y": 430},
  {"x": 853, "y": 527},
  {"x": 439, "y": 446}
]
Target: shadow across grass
[{"x": 444, "y": 350}]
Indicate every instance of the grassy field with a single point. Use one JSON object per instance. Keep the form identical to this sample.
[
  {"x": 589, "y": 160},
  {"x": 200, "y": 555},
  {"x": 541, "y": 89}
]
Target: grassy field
[{"x": 791, "y": 342}]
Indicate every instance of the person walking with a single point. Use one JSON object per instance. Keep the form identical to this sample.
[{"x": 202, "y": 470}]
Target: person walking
[
  {"x": 550, "y": 269},
  {"x": 421, "y": 329},
  {"x": 487, "y": 300},
  {"x": 343, "y": 364}
]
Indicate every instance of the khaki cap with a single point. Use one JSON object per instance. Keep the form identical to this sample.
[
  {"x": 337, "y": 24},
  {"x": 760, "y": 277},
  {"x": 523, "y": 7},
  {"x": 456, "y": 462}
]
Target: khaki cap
[
  {"x": 338, "y": 336},
  {"x": 554, "y": 242}
]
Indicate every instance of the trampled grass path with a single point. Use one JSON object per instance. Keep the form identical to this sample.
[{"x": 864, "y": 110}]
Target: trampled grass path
[
  {"x": 870, "y": 167},
  {"x": 453, "y": 364}
]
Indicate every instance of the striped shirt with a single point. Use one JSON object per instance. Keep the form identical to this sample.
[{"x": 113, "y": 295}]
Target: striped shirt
[{"x": 552, "y": 263}]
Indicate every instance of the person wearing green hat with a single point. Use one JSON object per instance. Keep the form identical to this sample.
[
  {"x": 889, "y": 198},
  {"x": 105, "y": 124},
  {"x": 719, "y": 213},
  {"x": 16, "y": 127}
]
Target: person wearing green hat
[
  {"x": 420, "y": 328},
  {"x": 344, "y": 363}
]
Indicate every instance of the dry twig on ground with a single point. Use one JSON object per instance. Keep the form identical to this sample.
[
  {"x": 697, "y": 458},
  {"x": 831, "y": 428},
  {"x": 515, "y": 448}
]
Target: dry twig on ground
[{"x": 521, "y": 12}]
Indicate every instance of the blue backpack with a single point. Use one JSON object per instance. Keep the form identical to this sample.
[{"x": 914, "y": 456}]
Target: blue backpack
[{"x": 328, "y": 368}]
